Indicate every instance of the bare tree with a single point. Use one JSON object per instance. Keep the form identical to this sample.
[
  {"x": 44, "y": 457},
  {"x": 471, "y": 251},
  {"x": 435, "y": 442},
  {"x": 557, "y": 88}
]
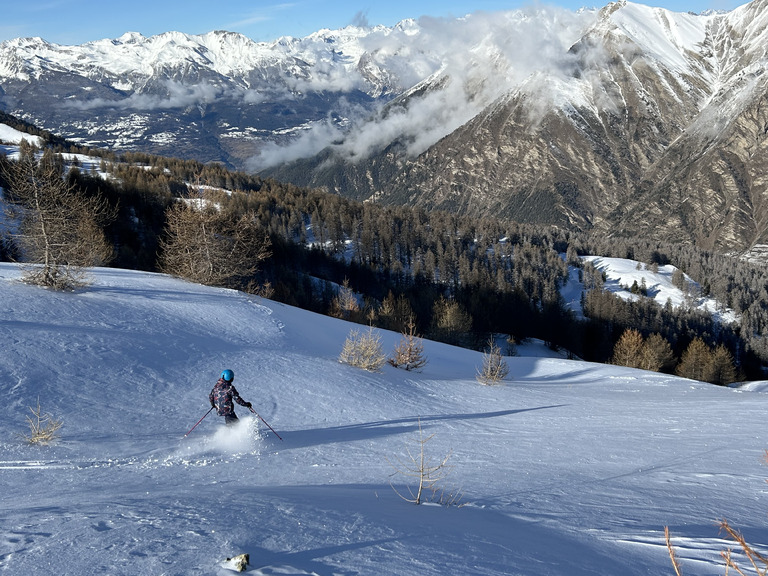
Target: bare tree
[
  {"x": 428, "y": 475},
  {"x": 206, "y": 246},
  {"x": 60, "y": 230}
]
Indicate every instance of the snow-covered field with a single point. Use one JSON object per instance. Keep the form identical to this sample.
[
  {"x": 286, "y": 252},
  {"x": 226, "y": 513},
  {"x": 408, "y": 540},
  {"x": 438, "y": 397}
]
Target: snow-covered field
[
  {"x": 569, "y": 468},
  {"x": 12, "y": 136},
  {"x": 622, "y": 273}
]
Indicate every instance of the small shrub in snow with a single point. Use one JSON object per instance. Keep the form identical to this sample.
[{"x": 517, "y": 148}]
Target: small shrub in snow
[
  {"x": 428, "y": 475},
  {"x": 43, "y": 428},
  {"x": 363, "y": 350},
  {"x": 409, "y": 353},
  {"x": 494, "y": 368}
]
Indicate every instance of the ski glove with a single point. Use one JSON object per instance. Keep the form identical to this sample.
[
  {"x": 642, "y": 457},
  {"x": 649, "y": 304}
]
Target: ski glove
[{"x": 248, "y": 405}]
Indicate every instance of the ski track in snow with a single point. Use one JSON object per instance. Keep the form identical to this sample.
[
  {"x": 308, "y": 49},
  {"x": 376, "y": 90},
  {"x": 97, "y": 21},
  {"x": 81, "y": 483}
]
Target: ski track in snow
[{"x": 569, "y": 468}]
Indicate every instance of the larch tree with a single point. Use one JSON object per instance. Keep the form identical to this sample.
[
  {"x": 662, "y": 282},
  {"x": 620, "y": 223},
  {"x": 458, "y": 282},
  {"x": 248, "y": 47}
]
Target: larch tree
[
  {"x": 627, "y": 351},
  {"x": 695, "y": 361},
  {"x": 206, "y": 246},
  {"x": 656, "y": 354},
  {"x": 721, "y": 369},
  {"x": 409, "y": 353},
  {"x": 60, "y": 230},
  {"x": 450, "y": 321}
]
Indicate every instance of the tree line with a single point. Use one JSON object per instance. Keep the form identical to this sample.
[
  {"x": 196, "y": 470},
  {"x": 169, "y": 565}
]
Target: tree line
[{"x": 458, "y": 279}]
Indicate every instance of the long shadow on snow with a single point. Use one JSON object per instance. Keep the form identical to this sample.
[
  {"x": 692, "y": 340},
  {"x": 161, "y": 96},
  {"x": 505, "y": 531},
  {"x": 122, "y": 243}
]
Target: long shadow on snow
[
  {"x": 310, "y": 561},
  {"x": 372, "y": 430},
  {"x": 457, "y": 540}
]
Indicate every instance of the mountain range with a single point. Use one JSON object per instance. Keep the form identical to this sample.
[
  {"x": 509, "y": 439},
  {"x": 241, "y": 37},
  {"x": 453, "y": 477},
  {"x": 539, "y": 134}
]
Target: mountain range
[{"x": 628, "y": 120}]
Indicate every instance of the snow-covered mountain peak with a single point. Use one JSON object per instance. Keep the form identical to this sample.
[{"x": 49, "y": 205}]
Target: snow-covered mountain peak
[
  {"x": 130, "y": 38},
  {"x": 674, "y": 39}
]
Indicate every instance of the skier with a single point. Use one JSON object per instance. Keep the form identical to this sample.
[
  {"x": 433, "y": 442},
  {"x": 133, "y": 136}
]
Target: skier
[{"x": 222, "y": 395}]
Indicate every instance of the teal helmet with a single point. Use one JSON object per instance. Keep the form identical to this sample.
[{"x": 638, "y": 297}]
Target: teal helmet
[{"x": 228, "y": 375}]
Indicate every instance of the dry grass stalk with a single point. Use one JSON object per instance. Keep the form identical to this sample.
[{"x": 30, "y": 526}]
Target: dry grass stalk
[
  {"x": 671, "y": 550},
  {"x": 758, "y": 561}
]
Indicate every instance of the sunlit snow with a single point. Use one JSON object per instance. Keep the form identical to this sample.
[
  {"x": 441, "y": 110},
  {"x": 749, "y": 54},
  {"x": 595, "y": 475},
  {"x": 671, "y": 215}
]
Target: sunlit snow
[{"x": 568, "y": 468}]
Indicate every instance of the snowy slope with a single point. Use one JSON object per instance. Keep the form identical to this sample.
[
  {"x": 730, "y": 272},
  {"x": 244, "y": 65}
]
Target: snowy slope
[
  {"x": 10, "y": 135},
  {"x": 622, "y": 273},
  {"x": 569, "y": 468}
]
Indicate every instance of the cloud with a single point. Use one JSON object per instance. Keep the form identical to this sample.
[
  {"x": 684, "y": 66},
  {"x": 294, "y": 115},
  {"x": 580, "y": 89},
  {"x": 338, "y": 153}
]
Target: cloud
[
  {"x": 453, "y": 68},
  {"x": 176, "y": 95},
  {"x": 361, "y": 20},
  {"x": 306, "y": 143}
]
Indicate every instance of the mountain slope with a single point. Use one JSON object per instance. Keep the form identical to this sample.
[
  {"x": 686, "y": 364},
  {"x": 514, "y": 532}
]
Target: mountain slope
[
  {"x": 627, "y": 120},
  {"x": 655, "y": 126},
  {"x": 570, "y": 468}
]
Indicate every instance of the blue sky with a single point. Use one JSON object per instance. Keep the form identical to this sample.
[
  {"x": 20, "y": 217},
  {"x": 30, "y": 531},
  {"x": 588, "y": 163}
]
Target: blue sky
[{"x": 66, "y": 22}]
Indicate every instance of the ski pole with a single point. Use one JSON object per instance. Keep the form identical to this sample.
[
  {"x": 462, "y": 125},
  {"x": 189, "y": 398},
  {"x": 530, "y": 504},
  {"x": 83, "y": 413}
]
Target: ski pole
[
  {"x": 198, "y": 422},
  {"x": 265, "y": 422}
]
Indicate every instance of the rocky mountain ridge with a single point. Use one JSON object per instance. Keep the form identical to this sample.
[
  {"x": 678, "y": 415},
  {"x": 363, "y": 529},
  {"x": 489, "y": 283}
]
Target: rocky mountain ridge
[{"x": 656, "y": 126}]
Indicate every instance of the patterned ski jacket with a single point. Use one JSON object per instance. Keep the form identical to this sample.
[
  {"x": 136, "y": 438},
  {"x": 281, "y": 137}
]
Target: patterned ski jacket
[{"x": 222, "y": 395}]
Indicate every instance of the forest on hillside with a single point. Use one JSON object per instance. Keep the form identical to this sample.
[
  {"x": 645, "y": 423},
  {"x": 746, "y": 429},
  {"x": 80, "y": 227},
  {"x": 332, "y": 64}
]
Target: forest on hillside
[{"x": 459, "y": 279}]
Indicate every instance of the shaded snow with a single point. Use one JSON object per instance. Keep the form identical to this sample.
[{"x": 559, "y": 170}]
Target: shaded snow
[{"x": 569, "y": 468}]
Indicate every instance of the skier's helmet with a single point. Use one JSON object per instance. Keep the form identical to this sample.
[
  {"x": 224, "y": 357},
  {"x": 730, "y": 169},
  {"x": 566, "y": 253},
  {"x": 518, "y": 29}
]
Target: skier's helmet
[{"x": 228, "y": 375}]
